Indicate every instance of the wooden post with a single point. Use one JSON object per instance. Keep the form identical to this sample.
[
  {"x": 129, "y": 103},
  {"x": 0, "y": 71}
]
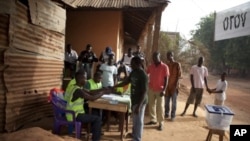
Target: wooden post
[
  {"x": 149, "y": 44},
  {"x": 157, "y": 29}
]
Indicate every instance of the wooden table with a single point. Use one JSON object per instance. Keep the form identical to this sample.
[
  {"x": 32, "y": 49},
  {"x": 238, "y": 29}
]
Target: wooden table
[{"x": 105, "y": 105}]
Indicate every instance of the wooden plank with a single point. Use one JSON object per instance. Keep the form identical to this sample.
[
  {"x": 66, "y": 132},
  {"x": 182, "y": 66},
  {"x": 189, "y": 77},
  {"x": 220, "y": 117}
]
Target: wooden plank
[
  {"x": 47, "y": 14},
  {"x": 7, "y": 6}
]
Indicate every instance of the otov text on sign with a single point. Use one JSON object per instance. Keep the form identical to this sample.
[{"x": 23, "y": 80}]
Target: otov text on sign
[{"x": 234, "y": 21}]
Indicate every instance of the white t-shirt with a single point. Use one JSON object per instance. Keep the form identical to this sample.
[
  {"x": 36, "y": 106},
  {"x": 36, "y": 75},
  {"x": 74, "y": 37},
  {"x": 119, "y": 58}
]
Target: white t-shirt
[
  {"x": 127, "y": 59},
  {"x": 198, "y": 74},
  {"x": 107, "y": 75},
  {"x": 71, "y": 57},
  {"x": 221, "y": 85}
]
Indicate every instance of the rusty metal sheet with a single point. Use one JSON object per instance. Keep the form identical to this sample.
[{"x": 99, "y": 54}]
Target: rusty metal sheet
[
  {"x": 33, "y": 64},
  {"x": 48, "y": 15}
]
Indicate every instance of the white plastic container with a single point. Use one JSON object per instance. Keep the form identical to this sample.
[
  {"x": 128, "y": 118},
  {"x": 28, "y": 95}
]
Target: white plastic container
[{"x": 218, "y": 117}]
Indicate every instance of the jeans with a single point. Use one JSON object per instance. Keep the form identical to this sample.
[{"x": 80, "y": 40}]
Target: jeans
[
  {"x": 88, "y": 68},
  {"x": 174, "y": 104},
  {"x": 71, "y": 67},
  {"x": 138, "y": 122},
  {"x": 95, "y": 124}
]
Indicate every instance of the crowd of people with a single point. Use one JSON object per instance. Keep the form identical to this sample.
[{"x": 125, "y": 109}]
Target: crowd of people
[{"x": 155, "y": 86}]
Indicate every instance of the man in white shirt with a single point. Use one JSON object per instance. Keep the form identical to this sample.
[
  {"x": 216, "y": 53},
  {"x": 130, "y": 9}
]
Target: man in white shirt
[
  {"x": 198, "y": 77},
  {"x": 70, "y": 60},
  {"x": 109, "y": 72},
  {"x": 126, "y": 59},
  {"x": 105, "y": 55},
  {"x": 220, "y": 90}
]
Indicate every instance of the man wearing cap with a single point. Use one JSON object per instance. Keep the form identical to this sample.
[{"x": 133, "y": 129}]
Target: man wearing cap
[{"x": 105, "y": 55}]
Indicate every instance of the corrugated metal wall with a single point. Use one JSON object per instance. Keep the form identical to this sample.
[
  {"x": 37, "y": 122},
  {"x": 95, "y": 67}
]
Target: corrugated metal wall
[
  {"x": 34, "y": 59},
  {"x": 4, "y": 24}
]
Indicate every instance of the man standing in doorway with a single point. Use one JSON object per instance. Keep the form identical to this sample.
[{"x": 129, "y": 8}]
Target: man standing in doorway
[{"x": 198, "y": 78}]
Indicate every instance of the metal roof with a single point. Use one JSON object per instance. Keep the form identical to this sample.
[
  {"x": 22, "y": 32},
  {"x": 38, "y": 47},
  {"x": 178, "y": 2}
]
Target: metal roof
[
  {"x": 135, "y": 12},
  {"x": 115, "y": 3}
]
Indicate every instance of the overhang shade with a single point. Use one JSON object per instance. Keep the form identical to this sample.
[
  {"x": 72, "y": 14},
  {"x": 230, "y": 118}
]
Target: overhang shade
[
  {"x": 136, "y": 13},
  {"x": 115, "y": 3}
]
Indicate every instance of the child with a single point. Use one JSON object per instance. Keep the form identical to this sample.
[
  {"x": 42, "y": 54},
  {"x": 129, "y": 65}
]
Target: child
[{"x": 220, "y": 90}]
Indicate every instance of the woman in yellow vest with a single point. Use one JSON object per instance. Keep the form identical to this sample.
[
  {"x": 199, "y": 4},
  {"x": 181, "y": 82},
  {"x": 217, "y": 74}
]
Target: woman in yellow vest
[{"x": 76, "y": 102}]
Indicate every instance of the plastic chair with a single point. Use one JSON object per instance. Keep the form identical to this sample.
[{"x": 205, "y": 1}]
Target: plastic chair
[{"x": 59, "y": 109}]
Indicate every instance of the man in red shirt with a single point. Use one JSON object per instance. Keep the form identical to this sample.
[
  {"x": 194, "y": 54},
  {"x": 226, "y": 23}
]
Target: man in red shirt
[{"x": 158, "y": 79}]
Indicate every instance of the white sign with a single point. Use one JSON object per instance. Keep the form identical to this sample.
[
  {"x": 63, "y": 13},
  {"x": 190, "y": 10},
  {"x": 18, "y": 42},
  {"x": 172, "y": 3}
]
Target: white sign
[{"x": 233, "y": 22}]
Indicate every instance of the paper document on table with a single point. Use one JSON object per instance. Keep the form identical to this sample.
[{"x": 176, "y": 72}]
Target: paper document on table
[
  {"x": 123, "y": 98},
  {"x": 109, "y": 96}
]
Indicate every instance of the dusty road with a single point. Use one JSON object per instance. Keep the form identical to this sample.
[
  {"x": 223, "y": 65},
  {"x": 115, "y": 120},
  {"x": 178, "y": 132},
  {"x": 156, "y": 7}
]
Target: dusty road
[{"x": 238, "y": 96}]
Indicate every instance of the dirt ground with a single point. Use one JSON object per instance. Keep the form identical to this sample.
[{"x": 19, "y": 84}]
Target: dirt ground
[{"x": 182, "y": 129}]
